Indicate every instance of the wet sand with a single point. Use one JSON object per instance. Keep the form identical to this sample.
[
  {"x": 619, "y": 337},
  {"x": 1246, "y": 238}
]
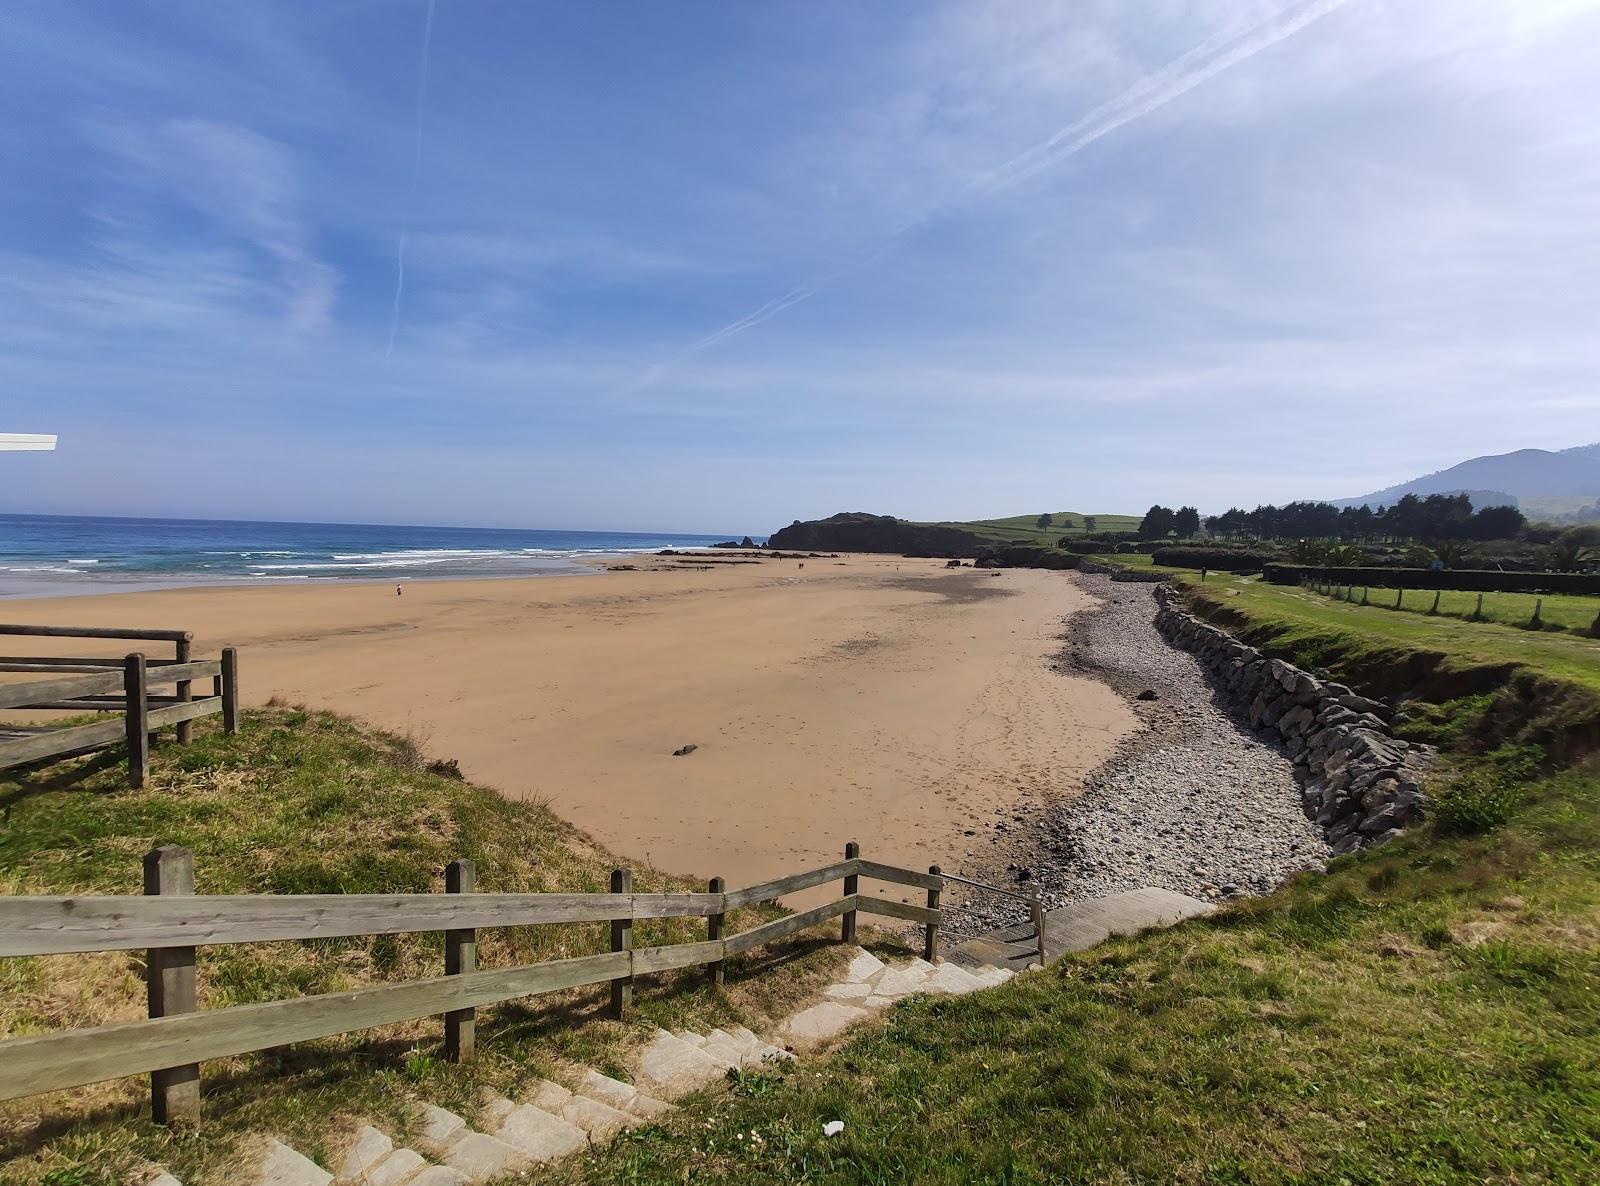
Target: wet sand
[{"x": 867, "y": 698}]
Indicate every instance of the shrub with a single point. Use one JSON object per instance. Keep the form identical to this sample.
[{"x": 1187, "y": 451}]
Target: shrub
[
  {"x": 1488, "y": 795},
  {"x": 1222, "y": 559}
]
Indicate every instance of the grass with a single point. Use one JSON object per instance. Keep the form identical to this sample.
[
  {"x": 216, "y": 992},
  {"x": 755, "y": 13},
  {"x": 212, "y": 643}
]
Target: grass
[
  {"x": 1572, "y": 613},
  {"x": 307, "y": 802},
  {"x": 1023, "y": 529},
  {"x": 1429, "y": 1013},
  {"x": 1367, "y": 641}
]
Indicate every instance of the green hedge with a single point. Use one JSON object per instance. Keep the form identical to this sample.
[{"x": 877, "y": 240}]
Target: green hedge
[{"x": 1221, "y": 559}]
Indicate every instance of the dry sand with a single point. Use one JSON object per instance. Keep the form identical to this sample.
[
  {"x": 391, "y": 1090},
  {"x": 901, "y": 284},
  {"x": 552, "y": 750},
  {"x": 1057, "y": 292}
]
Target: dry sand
[{"x": 866, "y": 698}]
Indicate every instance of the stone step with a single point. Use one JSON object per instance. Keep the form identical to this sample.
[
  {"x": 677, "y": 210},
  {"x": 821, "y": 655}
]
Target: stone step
[
  {"x": 275, "y": 1164},
  {"x": 595, "y": 1118},
  {"x": 670, "y": 1067},
  {"x": 863, "y": 967},
  {"x": 622, "y": 1096},
  {"x": 821, "y": 1022},
  {"x": 402, "y": 1166},
  {"x": 536, "y": 1133},
  {"x": 479, "y": 1157}
]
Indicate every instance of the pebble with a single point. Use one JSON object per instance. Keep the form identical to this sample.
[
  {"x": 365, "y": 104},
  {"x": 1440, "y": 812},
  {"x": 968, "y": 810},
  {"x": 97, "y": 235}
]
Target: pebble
[{"x": 1196, "y": 802}]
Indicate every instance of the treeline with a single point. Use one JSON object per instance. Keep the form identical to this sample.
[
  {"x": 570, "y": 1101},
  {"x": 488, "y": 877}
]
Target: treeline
[{"x": 1432, "y": 519}]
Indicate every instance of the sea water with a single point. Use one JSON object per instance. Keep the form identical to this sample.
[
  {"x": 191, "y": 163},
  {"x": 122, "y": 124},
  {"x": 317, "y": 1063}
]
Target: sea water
[{"x": 52, "y": 555}]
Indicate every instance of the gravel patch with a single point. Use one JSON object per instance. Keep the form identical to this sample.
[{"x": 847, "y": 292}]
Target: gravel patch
[{"x": 1196, "y": 802}]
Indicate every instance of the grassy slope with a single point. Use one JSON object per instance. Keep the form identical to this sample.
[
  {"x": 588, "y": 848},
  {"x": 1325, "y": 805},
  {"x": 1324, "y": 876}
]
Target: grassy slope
[
  {"x": 306, "y": 802},
  {"x": 1427, "y": 1013},
  {"x": 1021, "y": 529}
]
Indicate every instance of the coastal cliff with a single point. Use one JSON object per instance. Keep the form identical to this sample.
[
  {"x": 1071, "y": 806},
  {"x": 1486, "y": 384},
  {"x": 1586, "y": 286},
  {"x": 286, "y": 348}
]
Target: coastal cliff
[{"x": 857, "y": 531}]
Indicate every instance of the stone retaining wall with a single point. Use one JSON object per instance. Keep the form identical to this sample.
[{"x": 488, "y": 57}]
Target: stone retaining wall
[{"x": 1359, "y": 782}]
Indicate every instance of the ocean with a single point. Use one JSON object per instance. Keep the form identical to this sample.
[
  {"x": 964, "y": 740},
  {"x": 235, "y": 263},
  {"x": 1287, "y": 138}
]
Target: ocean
[{"x": 53, "y": 555}]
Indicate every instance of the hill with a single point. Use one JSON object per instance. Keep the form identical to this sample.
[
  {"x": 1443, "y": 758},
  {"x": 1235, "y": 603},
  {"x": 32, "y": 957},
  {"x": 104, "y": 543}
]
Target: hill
[
  {"x": 1524, "y": 477},
  {"x": 859, "y": 531}
]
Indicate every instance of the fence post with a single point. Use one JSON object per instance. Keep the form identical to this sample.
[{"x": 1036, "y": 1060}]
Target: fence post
[
  {"x": 714, "y": 932},
  {"x": 180, "y": 653},
  {"x": 1434, "y": 608},
  {"x": 847, "y": 929},
  {"x": 1036, "y": 909},
  {"x": 230, "y": 690},
  {"x": 1477, "y": 614},
  {"x": 138, "y": 718},
  {"x": 460, "y": 957},
  {"x": 930, "y": 931},
  {"x": 170, "y": 988},
  {"x": 622, "y": 940},
  {"x": 1537, "y": 621},
  {"x": 1398, "y": 594}
]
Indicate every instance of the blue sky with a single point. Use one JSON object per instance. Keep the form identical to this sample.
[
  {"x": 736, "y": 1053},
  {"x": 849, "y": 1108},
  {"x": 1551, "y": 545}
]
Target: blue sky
[{"x": 695, "y": 265}]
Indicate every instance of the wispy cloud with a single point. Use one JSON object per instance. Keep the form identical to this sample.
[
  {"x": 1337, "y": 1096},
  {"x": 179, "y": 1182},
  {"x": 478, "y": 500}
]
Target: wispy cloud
[
  {"x": 1219, "y": 52},
  {"x": 246, "y": 185}
]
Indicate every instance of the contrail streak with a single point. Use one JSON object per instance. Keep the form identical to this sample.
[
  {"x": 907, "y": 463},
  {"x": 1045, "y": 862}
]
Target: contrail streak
[
  {"x": 416, "y": 173},
  {"x": 1205, "y": 61}
]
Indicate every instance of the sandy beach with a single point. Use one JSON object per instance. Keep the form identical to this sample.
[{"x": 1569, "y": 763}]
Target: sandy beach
[{"x": 867, "y": 698}]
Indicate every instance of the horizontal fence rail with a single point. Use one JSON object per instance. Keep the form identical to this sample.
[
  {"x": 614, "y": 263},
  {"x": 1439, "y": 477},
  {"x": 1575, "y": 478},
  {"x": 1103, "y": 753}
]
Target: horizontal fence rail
[
  {"x": 170, "y": 922},
  {"x": 113, "y": 686}
]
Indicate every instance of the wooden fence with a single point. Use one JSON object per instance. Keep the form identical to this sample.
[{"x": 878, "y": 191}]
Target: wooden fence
[
  {"x": 112, "y": 685},
  {"x": 170, "y": 921}
]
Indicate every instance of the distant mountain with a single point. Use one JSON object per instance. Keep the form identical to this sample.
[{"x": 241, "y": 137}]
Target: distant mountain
[{"x": 1526, "y": 475}]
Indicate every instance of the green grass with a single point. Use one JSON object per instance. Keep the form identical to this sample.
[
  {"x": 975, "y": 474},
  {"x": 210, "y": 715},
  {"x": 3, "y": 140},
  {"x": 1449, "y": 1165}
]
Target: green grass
[
  {"x": 308, "y": 802},
  {"x": 1022, "y": 529},
  {"x": 1366, "y": 641},
  {"x": 1556, "y": 611},
  {"x": 1429, "y": 1013}
]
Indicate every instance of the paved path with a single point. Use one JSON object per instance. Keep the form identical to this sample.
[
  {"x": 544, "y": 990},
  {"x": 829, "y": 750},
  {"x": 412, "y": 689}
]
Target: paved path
[{"x": 1081, "y": 926}]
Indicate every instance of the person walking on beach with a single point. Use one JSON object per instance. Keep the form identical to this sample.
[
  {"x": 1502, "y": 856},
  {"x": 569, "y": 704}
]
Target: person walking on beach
[{"x": 398, "y": 591}]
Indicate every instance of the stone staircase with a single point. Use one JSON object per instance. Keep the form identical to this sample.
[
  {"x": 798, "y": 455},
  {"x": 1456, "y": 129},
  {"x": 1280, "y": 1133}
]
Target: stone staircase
[{"x": 553, "y": 1121}]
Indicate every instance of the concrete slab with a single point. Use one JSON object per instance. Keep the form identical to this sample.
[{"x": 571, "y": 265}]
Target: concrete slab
[
  {"x": 850, "y": 990},
  {"x": 438, "y": 1175},
  {"x": 598, "y": 1120},
  {"x": 439, "y": 1128},
  {"x": 481, "y": 1157},
  {"x": 821, "y": 1022},
  {"x": 669, "y": 1066},
  {"x": 956, "y": 981},
  {"x": 367, "y": 1149},
  {"x": 863, "y": 967},
  {"x": 549, "y": 1096},
  {"x": 1083, "y": 925},
  {"x": 540, "y": 1135},
  {"x": 607, "y": 1090},
  {"x": 397, "y": 1168},
  {"x": 278, "y": 1165}
]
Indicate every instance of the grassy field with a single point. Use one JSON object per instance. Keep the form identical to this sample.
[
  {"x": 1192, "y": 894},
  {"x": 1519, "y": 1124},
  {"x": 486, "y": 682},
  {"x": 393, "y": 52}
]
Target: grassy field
[
  {"x": 1556, "y": 611},
  {"x": 1023, "y": 529},
  {"x": 1356, "y": 639},
  {"x": 306, "y": 802}
]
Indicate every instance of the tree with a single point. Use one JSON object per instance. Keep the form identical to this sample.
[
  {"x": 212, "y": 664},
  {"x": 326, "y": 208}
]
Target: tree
[
  {"x": 1044, "y": 521},
  {"x": 1157, "y": 523},
  {"x": 1186, "y": 522},
  {"x": 1499, "y": 522},
  {"x": 1452, "y": 553},
  {"x": 1088, "y": 523}
]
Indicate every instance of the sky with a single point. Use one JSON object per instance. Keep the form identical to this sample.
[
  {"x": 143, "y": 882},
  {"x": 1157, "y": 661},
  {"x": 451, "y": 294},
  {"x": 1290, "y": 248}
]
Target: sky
[{"x": 719, "y": 266}]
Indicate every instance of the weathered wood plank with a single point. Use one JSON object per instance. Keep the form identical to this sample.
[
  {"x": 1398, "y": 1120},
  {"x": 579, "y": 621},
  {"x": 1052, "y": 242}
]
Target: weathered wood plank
[
  {"x": 900, "y": 876},
  {"x": 174, "y": 714},
  {"x": 767, "y": 891},
  {"x": 59, "y": 666},
  {"x": 783, "y": 927},
  {"x": 677, "y": 955},
  {"x": 51, "y": 1062},
  {"x": 94, "y": 632},
  {"x": 67, "y": 687},
  {"x": 51, "y": 742},
  {"x": 166, "y": 673},
  {"x": 53, "y": 925},
  {"x": 905, "y": 910}
]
